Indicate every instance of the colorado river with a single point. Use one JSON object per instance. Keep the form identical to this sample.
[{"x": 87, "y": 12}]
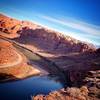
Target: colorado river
[{"x": 24, "y": 89}]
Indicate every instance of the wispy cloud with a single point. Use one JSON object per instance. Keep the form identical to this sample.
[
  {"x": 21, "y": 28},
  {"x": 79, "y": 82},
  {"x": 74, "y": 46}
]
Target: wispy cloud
[
  {"x": 78, "y": 25},
  {"x": 78, "y": 29}
]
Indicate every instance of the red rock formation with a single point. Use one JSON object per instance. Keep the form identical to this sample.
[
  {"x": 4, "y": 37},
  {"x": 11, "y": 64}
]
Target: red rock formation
[
  {"x": 52, "y": 41},
  {"x": 9, "y": 25},
  {"x": 87, "y": 74},
  {"x": 42, "y": 38},
  {"x": 84, "y": 57}
]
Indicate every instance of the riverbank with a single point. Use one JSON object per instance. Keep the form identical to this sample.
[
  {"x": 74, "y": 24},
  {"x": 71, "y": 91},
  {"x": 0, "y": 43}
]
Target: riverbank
[
  {"x": 15, "y": 65},
  {"x": 11, "y": 76}
]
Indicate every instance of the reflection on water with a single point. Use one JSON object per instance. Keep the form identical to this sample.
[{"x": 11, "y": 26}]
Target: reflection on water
[{"x": 24, "y": 89}]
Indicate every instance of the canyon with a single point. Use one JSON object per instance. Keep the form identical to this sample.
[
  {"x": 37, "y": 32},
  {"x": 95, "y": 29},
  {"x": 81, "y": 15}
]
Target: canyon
[{"x": 31, "y": 49}]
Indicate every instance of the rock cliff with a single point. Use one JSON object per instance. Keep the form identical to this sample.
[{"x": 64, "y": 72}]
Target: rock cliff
[{"x": 43, "y": 38}]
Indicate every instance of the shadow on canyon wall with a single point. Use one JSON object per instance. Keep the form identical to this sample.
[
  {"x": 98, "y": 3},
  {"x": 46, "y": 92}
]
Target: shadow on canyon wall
[
  {"x": 6, "y": 77},
  {"x": 50, "y": 41}
]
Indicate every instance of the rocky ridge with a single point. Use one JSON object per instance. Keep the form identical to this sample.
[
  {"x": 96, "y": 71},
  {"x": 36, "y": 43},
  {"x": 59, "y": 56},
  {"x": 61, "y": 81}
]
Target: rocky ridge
[{"x": 42, "y": 38}]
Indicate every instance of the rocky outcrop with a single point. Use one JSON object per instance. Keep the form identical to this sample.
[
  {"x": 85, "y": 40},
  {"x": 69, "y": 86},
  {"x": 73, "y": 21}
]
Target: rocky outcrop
[
  {"x": 9, "y": 25},
  {"x": 68, "y": 94},
  {"x": 92, "y": 81},
  {"x": 42, "y": 38},
  {"x": 51, "y": 41}
]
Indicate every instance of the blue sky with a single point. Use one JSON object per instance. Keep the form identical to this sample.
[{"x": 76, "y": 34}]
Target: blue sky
[{"x": 77, "y": 18}]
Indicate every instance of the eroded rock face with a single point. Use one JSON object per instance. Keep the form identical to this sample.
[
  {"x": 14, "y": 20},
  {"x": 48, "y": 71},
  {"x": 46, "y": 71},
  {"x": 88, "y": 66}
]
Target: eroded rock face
[
  {"x": 51, "y": 41},
  {"x": 42, "y": 38},
  {"x": 9, "y": 25}
]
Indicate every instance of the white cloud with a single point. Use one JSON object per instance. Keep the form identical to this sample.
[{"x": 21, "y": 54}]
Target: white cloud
[{"x": 78, "y": 25}]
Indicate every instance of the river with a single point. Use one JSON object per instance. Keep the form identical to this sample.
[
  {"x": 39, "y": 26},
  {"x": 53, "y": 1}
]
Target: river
[{"x": 24, "y": 89}]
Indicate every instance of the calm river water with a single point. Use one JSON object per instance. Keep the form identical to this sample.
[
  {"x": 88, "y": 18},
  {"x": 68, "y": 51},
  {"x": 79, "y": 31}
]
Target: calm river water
[{"x": 24, "y": 89}]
